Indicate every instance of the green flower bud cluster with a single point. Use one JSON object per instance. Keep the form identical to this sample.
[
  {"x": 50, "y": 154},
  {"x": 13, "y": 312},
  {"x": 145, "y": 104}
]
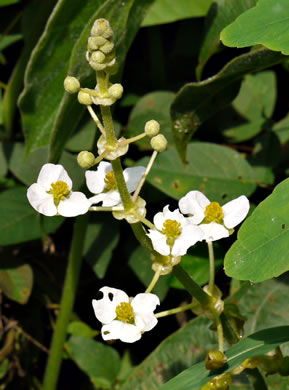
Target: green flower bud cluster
[
  {"x": 100, "y": 49},
  {"x": 215, "y": 359}
]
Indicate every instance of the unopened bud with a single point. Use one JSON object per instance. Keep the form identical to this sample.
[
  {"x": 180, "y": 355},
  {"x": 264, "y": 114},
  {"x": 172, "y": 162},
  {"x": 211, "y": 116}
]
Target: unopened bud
[
  {"x": 84, "y": 98},
  {"x": 159, "y": 143},
  {"x": 85, "y": 159},
  {"x": 116, "y": 91},
  {"x": 101, "y": 27},
  {"x": 92, "y": 43},
  {"x": 97, "y": 56},
  {"x": 152, "y": 128},
  {"x": 71, "y": 84},
  {"x": 107, "y": 47},
  {"x": 215, "y": 359}
]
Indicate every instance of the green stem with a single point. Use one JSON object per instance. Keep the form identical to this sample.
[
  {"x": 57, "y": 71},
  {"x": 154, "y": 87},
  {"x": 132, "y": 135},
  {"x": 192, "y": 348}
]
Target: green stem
[
  {"x": 219, "y": 330},
  {"x": 174, "y": 311},
  {"x": 66, "y": 304},
  {"x": 121, "y": 184},
  {"x": 191, "y": 286},
  {"x": 154, "y": 281},
  {"x": 212, "y": 267}
]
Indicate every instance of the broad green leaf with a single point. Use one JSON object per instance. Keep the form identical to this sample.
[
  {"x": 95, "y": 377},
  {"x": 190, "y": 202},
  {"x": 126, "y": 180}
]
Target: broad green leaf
[
  {"x": 66, "y": 34},
  {"x": 219, "y": 172},
  {"x": 221, "y": 13},
  {"x": 197, "y": 102},
  {"x": 141, "y": 264},
  {"x": 263, "y": 305},
  {"x": 16, "y": 280},
  {"x": 196, "y": 264},
  {"x": 79, "y": 328},
  {"x": 180, "y": 350},
  {"x": 8, "y": 40},
  {"x": 16, "y": 215},
  {"x": 266, "y": 24},
  {"x": 266, "y": 156},
  {"x": 256, "y": 344},
  {"x": 38, "y": 12},
  {"x": 100, "y": 362},
  {"x": 261, "y": 249},
  {"x": 257, "y": 96},
  {"x": 244, "y": 132},
  {"x": 101, "y": 238},
  {"x": 168, "y": 11},
  {"x": 281, "y": 129},
  {"x": 26, "y": 169},
  {"x": 155, "y": 105}
]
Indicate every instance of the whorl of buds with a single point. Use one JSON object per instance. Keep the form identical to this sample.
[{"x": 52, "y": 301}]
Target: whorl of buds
[
  {"x": 71, "y": 84},
  {"x": 152, "y": 128},
  {"x": 85, "y": 159},
  {"x": 159, "y": 143},
  {"x": 100, "y": 50},
  {"x": 84, "y": 98}
]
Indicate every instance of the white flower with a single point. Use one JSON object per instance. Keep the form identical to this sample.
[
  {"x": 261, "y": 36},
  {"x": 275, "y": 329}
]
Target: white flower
[
  {"x": 52, "y": 194},
  {"x": 174, "y": 234},
  {"x": 120, "y": 148},
  {"x": 124, "y": 318},
  {"x": 216, "y": 221},
  {"x": 102, "y": 183}
]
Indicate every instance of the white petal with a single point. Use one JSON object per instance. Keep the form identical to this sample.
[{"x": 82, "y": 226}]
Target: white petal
[
  {"x": 104, "y": 308},
  {"x": 96, "y": 199},
  {"x": 111, "y": 198},
  {"x": 173, "y": 215},
  {"x": 159, "y": 220},
  {"x": 194, "y": 203},
  {"x": 159, "y": 242},
  {"x": 127, "y": 333},
  {"x": 95, "y": 179},
  {"x": 189, "y": 236},
  {"x": 75, "y": 204},
  {"x": 51, "y": 173},
  {"x": 145, "y": 321},
  {"x": 132, "y": 177},
  {"x": 235, "y": 211},
  {"x": 214, "y": 231},
  {"x": 145, "y": 303},
  {"x": 41, "y": 201}
]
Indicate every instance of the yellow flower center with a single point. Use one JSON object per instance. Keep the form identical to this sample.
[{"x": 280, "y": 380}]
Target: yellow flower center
[
  {"x": 124, "y": 312},
  {"x": 59, "y": 190},
  {"x": 214, "y": 213},
  {"x": 110, "y": 182},
  {"x": 172, "y": 229}
]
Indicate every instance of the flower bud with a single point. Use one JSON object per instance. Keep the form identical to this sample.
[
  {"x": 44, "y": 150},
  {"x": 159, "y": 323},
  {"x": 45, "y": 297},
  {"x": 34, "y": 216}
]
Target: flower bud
[
  {"x": 85, "y": 159},
  {"x": 107, "y": 47},
  {"x": 159, "y": 143},
  {"x": 84, "y": 98},
  {"x": 97, "y": 56},
  {"x": 101, "y": 27},
  {"x": 215, "y": 359},
  {"x": 71, "y": 84},
  {"x": 152, "y": 128},
  {"x": 92, "y": 43},
  {"x": 116, "y": 91}
]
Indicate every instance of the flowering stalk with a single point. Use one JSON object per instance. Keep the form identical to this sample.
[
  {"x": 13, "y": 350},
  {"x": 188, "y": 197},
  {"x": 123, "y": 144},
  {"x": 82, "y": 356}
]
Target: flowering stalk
[
  {"x": 191, "y": 286},
  {"x": 66, "y": 304},
  {"x": 212, "y": 267}
]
